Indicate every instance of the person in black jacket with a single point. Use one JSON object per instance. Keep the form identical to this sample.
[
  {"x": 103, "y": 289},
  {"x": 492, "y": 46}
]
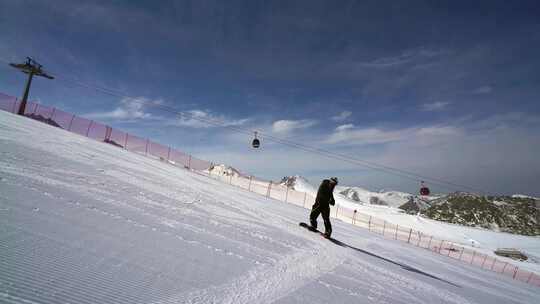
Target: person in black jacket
[{"x": 325, "y": 198}]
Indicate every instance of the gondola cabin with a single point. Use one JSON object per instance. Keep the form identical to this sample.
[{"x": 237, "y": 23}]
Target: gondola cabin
[
  {"x": 424, "y": 190},
  {"x": 256, "y": 142}
]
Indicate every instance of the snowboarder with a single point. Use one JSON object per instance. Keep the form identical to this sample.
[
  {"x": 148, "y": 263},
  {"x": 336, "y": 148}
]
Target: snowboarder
[{"x": 324, "y": 199}]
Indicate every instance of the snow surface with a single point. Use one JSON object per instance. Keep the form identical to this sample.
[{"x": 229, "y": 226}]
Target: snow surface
[{"x": 85, "y": 222}]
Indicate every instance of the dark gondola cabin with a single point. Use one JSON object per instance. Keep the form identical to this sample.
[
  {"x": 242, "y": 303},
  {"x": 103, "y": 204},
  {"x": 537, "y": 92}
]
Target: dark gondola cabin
[
  {"x": 256, "y": 143},
  {"x": 424, "y": 190}
]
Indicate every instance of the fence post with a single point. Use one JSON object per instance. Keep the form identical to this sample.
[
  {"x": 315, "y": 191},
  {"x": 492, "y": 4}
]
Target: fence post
[
  {"x": 515, "y": 272},
  {"x": 493, "y": 264},
  {"x": 89, "y": 126},
  {"x": 354, "y": 217},
  {"x": 146, "y": 148},
  {"x": 530, "y": 277},
  {"x": 269, "y": 189},
  {"x": 429, "y": 244},
  {"x": 108, "y": 133},
  {"x": 450, "y": 250},
  {"x": 504, "y": 268},
  {"x": 14, "y": 105},
  {"x": 287, "y": 194},
  {"x": 52, "y": 113},
  {"x": 230, "y": 179},
  {"x": 419, "y": 238},
  {"x": 440, "y": 246},
  {"x": 395, "y": 235},
  {"x": 410, "y": 232},
  {"x": 35, "y": 108},
  {"x": 189, "y": 162},
  {"x": 71, "y": 122},
  {"x": 461, "y": 254},
  {"x": 383, "y": 227},
  {"x": 473, "y": 255},
  {"x": 126, "y": 141},
  {"x": 484, "y": 261},
  {"x": 249, "y": 186},
  {"x": 369, "y": 223},
  {"x": 305, "y": 196}
]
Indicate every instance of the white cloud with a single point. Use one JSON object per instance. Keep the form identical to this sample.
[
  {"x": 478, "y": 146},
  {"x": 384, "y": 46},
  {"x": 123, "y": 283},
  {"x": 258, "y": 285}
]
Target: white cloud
[
  {"x": 434, "y": 106},
  {"x": 129, "y": 109},
  {"x": 483, "y": 90},
  {"x": 342, "y": 116},
  {"x": 286, "y": 126},
  {"x": 350, "y": 135},
  {"x": 205, "y": 119}
]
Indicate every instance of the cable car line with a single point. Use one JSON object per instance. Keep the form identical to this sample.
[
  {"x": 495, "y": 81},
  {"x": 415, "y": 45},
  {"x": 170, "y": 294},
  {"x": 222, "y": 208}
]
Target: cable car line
[{"x": 256, "y": 142}]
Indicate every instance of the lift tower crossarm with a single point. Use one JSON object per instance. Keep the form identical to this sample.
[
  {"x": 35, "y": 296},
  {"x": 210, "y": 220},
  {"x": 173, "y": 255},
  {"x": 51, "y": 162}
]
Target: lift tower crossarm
[{"x": 30, "y": 67}]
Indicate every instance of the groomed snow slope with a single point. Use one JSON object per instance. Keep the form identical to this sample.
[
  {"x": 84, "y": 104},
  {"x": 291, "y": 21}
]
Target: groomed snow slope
[{"x": 86, "y": 222}]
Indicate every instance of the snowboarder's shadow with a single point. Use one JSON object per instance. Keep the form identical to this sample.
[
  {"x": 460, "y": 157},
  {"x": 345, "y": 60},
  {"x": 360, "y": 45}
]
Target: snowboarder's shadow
[{"x": 404, "y": 266}]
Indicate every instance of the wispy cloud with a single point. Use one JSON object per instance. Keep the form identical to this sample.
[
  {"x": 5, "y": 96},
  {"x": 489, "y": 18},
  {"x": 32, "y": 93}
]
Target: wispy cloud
[
  {"x": 435, "y": 106},
  {"x": 342, "y": 116},
  {"x": 483, "y": 90},
  {"x": 403, "y": 58},
  {"x": 205, "y": 119},
  {"x": 129, "y": 109},
  {"x": 287, "y": 126},
  {"x": 351, "y": 135}
]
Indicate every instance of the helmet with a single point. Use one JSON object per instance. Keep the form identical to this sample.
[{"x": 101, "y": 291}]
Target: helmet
[{"x": 334, "y": 180}]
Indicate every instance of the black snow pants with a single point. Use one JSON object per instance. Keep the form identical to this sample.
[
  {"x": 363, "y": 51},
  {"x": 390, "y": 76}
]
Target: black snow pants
[{"x": 323, "y": 210}]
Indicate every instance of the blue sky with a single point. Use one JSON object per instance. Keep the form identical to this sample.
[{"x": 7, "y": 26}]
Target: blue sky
[{"x": 448, "y": 89}]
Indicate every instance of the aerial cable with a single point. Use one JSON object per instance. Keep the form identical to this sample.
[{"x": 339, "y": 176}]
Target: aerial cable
[
  {"x": 323, "y": 152},
  {"x": 329, "y": 154}
]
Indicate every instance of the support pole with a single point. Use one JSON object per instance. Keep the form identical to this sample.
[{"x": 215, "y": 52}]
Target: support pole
[
  {"x": 269, "y": 189},
  {"x": 71, "y": 122},
  {"x": 30, "y": 67},
  {"x": 504, "y": 268},
  {"x": 22, "y": 107},
  {"x": 530, "y": 277},
  {"x": 249, "y": 185},
  {"x": 126, "y": 141},
  {"x": 484, "y": 261},
  {"x": 52, "y": 114},
  {"x": 89, "y": 126}
]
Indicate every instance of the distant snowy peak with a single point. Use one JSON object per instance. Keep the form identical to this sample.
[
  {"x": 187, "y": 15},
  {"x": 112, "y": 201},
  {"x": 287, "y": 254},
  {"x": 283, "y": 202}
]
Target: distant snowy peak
[
  {"x": 525, "y": 197},
  {"x": 224, "y": 170},
  {"x": 384, "y": 198},
  {"x": 298, "y": 183}
]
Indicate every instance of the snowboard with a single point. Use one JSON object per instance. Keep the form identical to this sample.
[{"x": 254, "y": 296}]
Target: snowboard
[{"x": 310, "y": 228}]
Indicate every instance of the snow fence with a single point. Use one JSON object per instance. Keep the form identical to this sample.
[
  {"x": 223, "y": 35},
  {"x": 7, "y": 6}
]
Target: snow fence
[{"x": 146, "y": 147}]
